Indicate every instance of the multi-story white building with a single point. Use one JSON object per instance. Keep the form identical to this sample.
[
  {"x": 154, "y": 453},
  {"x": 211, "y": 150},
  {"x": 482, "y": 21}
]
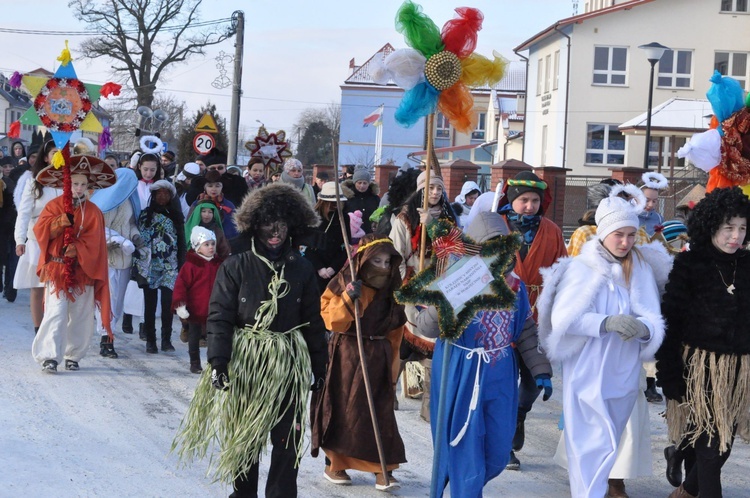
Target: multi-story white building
[{"x": 587, "y": 76}]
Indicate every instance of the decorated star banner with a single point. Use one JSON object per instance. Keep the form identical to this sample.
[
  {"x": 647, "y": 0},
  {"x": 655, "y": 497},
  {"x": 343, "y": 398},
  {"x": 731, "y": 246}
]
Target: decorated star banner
[
  {"x": 465, "y": 277},
  {"x": 439, "y": 69},
  {"x": 270, "y": 147}
]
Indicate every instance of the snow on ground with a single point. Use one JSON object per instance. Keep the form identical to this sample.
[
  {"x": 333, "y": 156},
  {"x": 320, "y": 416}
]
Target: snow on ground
[{"x": 106, "y": 430}]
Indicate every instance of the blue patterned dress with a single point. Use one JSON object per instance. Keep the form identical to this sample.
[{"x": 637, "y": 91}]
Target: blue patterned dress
[{"x": 157, "y": 262}]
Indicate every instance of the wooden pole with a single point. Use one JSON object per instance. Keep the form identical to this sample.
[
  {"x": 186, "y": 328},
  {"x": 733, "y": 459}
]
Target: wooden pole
[
  {"x": 358, "y": 325},
  {"x": 426, "y": 191}
]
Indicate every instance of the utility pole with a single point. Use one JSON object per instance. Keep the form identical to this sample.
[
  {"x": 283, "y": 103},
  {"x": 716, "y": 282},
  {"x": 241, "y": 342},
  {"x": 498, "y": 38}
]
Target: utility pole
[{"x": 238, "y": 23}]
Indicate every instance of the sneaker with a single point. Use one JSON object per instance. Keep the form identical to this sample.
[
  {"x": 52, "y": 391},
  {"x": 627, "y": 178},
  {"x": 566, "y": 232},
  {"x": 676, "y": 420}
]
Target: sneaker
[
  {"x": 107, "y": 350},
  {"x": 71, "y": 365},
  {"x": 652, "y": 396},
  {"x": 49, "y": 366},
  {"x": 184, "y": 333},
  {"x": 514, "y": 463},
  {"x": 380, "y": 484},
  {"x": 337, "y": 476}
]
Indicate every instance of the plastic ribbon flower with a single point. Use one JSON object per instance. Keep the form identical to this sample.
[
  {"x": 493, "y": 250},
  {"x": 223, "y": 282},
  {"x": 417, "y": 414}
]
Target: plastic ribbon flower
[{"x": 439, "y": 68}]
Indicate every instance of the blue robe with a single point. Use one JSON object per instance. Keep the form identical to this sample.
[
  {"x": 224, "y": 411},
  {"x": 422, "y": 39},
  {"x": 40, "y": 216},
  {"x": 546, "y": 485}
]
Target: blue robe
[{"x": 484, "y": 450}]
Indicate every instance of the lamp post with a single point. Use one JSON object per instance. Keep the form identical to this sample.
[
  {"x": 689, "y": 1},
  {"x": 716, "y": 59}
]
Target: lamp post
[
  {"x": 654, "y": 52},
  {"x": 261, "y": 123}
]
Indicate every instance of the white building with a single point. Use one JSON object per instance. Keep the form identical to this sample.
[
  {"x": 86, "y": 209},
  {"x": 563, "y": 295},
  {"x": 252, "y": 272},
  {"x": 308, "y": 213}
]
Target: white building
[{"x": 586, "y": 77}]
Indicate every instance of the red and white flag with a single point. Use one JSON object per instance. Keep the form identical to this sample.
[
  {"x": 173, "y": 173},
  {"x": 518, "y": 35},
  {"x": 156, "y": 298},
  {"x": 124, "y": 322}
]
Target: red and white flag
[{"x": 375, "y": 118}]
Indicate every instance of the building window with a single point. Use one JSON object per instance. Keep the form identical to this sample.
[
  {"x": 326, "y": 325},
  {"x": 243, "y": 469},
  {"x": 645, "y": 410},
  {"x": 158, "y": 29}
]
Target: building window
[
  {"x": 539, "y": 76},
  {"x": 605, "y": 144},
  {"x": 734, "y": 5},
  {"x": 732, "y": 64},
  {"x": 478, "y": 133},
  {"x": 675, "y": 69},
  {"x": 610, "y": 65},
  {"x": 556, "y": 80},
  {"x": 442, "y": 126},
  {"x": 547, "y": 73}
]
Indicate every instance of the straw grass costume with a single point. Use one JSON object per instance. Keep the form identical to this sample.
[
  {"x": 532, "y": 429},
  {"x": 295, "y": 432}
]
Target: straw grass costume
[{"x": 266, "y": 335}]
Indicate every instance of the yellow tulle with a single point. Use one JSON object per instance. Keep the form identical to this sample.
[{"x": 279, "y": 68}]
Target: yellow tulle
[
  {"x": 58, "y": 160},
  {"x": 65, "y": 57},
  {"x": 479, "y": 71}
]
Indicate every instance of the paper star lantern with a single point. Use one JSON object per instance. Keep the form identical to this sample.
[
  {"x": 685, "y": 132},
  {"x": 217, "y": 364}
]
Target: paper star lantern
[
  {"x": 271, "y": 148},
  {"x": 439, "y": 68},
  {"x": 462, "y": 259}
]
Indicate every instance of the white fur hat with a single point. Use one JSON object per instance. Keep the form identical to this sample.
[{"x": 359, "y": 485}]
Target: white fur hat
[
  {"x": 614, "y": 213},
  {"x": 199, "y": 235}
]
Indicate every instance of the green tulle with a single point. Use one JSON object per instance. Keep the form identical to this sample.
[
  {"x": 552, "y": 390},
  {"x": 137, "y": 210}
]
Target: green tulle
[{"x": 420, "y": 32}]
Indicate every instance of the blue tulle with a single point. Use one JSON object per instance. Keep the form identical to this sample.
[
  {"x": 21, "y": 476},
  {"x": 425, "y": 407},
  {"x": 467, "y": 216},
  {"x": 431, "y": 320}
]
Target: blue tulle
[
  {"x": 726, "y": 96},
  {"x": 417, "y": 102}
]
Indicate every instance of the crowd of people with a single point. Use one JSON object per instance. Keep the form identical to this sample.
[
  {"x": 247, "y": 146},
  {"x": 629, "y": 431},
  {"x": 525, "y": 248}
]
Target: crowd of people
[{"x": 292, "y": 289}]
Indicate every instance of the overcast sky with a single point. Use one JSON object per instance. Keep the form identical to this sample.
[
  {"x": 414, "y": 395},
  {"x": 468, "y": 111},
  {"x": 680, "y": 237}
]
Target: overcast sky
[{"x": 296, "y": 52}]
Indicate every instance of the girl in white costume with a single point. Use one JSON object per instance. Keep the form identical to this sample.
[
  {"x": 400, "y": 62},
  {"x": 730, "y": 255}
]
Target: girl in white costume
[{"x": 599, "y": 317}]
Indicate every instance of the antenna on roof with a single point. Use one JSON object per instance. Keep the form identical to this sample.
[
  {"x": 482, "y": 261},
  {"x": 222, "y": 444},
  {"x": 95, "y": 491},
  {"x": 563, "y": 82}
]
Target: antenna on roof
[{"x": 575, "y": 7}]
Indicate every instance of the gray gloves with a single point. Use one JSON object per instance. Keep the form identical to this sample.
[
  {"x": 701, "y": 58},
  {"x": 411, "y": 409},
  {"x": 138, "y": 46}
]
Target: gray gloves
[{"x": 628, "y": 326}]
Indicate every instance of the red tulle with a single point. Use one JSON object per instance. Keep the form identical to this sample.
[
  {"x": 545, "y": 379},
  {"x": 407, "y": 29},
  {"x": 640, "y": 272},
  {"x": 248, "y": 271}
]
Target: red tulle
[
  {"x": 110, "y": 88},
  {"x": 460, "y": 34},
  {"x": 15, "y": 129},
  {"x": 70, "y": 280}
]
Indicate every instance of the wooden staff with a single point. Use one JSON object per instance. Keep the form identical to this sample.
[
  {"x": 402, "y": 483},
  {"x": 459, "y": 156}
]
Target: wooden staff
[
  {"x": 358, "y": 324},
  {"x": 426, "y": 191}
]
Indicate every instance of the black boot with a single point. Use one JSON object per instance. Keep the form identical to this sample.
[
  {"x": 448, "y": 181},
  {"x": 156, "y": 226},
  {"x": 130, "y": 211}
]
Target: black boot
[
  {"x": 519, "y": 437},
  {"x": 195, "y": 362},
  {"x": 141, "y": 333},
  {"x": 151, "y": 341},
  {"x": 127, "y": 324},
  {"x": 674, "y": 465},
  {"x": 107, "y": 348},
  {"x": 166, "y": 340}
]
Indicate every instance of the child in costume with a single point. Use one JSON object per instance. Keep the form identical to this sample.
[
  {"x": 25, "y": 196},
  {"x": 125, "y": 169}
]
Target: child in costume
[
  {"x": 266, "y": 344},
  {"x": 703, "y": 366},
  {"x": 482, "y": 377},
  {"x": 192, "y": 289},
  {"x": 543, "y": 244},
  {"x": 72, "y": 287},
  {"x": 650, "y": 218},
  {"x": 212, "y": 191},
  {"x": 162, "y": 230},
  {"x": 341, "y": 423},
  {"x": 599, "y": 316},
  {"x": 206, "y": 215},
  {"x": 463, "y": 202}
]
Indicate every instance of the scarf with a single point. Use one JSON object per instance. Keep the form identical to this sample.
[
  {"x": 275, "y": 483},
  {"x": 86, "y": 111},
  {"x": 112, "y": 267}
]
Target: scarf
[
  {"x": 297, "y": 183},
  {"x": 527, "y": 225}
]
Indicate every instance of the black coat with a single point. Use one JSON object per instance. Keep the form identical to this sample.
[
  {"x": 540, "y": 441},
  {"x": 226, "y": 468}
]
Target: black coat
[
  {"x": 328, "y": 250},
  {"x": 366, "y": 202},
  {"x": 242, "y": 283},
  {"x": 699, "y": 312}
]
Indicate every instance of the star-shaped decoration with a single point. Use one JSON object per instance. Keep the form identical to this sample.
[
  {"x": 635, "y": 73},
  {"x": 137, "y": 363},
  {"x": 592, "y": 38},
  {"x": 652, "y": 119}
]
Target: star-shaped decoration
[
  {"x": 270, "y": 147},
  {"x": 454, "y": 315}
]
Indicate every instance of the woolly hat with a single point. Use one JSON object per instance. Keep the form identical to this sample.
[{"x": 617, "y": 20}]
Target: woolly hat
[
  {"x": 614, "y": 213},
  {"x": 523, "y": 182},
  {"x": 163, "y": 184},
  {"x": 291, "y": 164},
  {"x": 434, "y": 180},
  {"x": 199, "y": 235},
  {"x": 361, "y": 174}
]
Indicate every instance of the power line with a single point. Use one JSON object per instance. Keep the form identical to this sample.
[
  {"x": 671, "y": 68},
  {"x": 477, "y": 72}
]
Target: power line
[{"x": 92, "y": 33}]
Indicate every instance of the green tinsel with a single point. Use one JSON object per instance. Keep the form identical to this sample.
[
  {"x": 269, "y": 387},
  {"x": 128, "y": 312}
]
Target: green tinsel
[{"x": 415, "y": 291}]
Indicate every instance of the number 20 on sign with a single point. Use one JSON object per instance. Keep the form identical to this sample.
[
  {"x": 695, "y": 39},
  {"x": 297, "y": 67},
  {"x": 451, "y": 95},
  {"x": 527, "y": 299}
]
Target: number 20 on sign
[{"x": 203, "y": 143}]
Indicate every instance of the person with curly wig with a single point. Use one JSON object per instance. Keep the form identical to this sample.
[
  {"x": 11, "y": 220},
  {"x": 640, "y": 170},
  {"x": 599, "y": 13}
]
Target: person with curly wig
[{"x": 703, "y": 366}]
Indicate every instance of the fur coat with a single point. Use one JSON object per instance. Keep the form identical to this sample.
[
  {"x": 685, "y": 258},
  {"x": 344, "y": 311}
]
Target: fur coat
[{"x": 590, "y": 273}]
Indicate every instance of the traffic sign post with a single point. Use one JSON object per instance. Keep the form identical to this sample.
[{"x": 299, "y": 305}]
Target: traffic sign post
[
  {"x": 207, "y": 124},
  {"x": 203, "y": 143}
]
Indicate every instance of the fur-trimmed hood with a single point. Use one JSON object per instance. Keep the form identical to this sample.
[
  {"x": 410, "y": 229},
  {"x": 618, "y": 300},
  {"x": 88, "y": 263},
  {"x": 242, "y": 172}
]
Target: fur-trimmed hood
[
  {"x": 285, "y": 199},
  {"x": 374, "y": 188},
  {"x": 589, "y": 273}
]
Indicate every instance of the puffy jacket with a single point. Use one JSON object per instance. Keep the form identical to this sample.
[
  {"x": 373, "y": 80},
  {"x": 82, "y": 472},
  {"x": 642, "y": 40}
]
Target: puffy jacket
[{"x": 242, "y": 283}]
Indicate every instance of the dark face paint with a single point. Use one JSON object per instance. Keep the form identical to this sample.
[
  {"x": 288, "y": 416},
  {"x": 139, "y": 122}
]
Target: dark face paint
[{"x": 273, "y": 235}]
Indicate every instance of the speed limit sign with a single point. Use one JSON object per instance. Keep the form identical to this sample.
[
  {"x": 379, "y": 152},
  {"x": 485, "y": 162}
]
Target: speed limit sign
[{"x": 203, "y": 143}]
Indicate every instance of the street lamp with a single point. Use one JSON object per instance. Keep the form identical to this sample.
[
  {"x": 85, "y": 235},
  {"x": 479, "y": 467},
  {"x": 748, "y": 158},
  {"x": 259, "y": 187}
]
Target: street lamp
[
  {"x": 261, "y": 123},
  {"x": 654, "y": 52}
]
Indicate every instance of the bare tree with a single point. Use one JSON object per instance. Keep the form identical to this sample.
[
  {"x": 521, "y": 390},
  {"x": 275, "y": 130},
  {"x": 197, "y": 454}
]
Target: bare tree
[
  {"x": 146, "y": 37},
  {"x": 330, "y": 116}
]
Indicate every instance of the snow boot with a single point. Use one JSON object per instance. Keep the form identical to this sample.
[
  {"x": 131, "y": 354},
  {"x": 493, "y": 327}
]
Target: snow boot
[
  {"x": 519, "y": 437},
  {"x": 166, "y": 341},
  {"x": 195, "y": 363},
  {"x": 150, "y": 336},
  {"x": 141, "y": 333},
  {"x": 107, "y": 348},
  {"x": 127, "y": 324}
]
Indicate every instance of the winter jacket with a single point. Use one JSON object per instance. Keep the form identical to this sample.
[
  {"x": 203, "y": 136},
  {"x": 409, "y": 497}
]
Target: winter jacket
[
  {"x": 329, "y": 250},
  {"x": 194, "y": 284},
  {"x": 29, "y": 207},
  {"x": 701, "y": 313},
  {"x": 121, "y": 221},
  {"x": 366, "y": 202},
  {"x": 241, "y": 285}
]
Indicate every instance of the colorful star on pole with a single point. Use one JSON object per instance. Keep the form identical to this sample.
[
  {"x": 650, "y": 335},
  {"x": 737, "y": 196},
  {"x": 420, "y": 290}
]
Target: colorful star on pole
[
  {"x": 439, "y": 69},
  {"x": 271, "y": 148}
]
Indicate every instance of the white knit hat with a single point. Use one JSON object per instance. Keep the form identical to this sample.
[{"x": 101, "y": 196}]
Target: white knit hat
[
  {"x": 434, "y": 180},
  {"x": 199, "y": 235},
  {"x": 614, "y": 213}
]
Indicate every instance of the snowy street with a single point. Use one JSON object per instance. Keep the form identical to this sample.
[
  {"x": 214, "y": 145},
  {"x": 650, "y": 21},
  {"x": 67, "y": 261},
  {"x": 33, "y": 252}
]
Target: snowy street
[{"x": 106, "y": 430}]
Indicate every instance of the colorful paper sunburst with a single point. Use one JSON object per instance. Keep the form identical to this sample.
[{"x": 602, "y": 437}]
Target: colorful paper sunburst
[
  {"x": 439, "y": 69},
  {"x": 270, "y": 147}
]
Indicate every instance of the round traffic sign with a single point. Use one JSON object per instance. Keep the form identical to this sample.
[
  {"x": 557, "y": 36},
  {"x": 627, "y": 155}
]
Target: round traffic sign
[{"x": 203, "y": 143}]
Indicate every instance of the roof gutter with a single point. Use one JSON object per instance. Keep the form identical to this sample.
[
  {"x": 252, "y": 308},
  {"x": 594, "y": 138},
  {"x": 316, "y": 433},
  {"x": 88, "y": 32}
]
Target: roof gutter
[{"x": 567, "y": 99}]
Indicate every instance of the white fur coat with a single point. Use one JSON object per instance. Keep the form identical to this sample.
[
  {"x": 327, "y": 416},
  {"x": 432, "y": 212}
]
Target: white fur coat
[{"x": 589, "y": 272}]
